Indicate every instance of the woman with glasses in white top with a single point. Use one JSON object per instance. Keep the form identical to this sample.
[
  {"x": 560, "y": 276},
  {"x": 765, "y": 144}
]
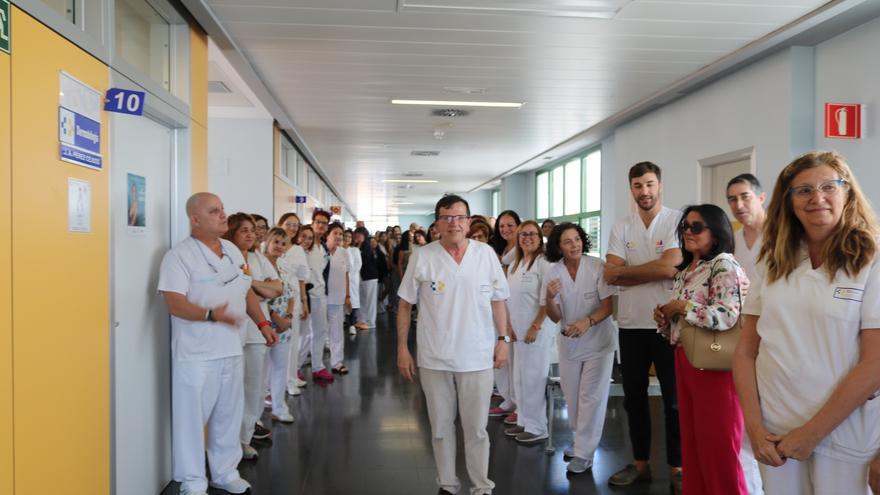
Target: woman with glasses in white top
[
  {"x": 528, "y": 320},
  {"x": 266, "y": 284},
  {"x": 577, "y": 296},
  {"x": 807, "y": 367},
  {"x": 338, "y": 296}
]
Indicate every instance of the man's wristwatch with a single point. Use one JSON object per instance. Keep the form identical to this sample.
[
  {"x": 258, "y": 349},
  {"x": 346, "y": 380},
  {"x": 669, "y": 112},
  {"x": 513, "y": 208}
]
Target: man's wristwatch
[{"x": 505, "y": 338}]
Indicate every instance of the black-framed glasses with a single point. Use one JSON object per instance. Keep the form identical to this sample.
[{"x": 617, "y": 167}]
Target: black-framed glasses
[
  {"x": 827, "y": 188},
  {"x": 528, "y": 235},
  {"x": 696, "y": 228}
]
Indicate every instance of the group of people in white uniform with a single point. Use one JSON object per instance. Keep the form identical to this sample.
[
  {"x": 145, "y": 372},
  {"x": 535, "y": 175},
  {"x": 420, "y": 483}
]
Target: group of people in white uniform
[{"x": 796, "y": 414}]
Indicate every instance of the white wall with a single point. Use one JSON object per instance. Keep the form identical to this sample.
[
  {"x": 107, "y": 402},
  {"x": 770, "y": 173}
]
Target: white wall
[
  {"x": 240, "y": 161},
  {"x": 848, "y": 71}
]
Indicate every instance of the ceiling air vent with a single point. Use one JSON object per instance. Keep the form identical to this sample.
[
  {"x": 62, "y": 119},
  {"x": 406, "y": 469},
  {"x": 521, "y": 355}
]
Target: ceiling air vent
[
  {"x": 218, "y": 87},
  {"x": 423, "y": 153},
  {"x": 449, "y": 112},
  {"x": 414, "y": 174}
]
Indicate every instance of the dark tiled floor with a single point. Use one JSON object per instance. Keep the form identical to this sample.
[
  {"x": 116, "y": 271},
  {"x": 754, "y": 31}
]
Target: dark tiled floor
[{"x": 368, "y": 433}]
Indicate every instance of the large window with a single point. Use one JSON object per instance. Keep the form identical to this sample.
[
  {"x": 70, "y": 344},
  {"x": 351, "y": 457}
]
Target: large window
[{"x": 571, "y": 192}]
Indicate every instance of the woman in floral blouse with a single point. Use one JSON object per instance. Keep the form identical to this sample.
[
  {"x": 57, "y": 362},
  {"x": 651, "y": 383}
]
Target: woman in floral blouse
[{"x": 707, "y": 292}]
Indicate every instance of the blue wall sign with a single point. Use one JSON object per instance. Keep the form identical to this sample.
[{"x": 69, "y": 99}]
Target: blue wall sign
[
  {"x": 80, "y": 139},
  {"x": 301, "y": 199},
  {"x": 124, "y": 101}
]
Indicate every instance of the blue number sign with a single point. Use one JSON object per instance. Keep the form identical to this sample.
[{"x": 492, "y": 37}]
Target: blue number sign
[{"x": 124, "y": 101}]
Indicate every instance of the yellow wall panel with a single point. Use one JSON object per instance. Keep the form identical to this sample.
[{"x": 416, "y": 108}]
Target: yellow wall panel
[
  {"x": 283, "y": 198},
  {"x": 6, "y": 439},
  {"x": 199, "y": 75},
  {"x": 199, "y": 157},
  {"x": 60, "y": 281}
]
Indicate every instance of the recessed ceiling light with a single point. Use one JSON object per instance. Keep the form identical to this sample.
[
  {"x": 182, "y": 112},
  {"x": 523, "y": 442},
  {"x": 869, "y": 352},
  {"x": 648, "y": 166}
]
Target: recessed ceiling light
[
  {"x": 400, "y": 203},
  {"x": 412, "y": 181},
  {"x": 464, "y": 89},
  {"x": 442, "y": 103}
]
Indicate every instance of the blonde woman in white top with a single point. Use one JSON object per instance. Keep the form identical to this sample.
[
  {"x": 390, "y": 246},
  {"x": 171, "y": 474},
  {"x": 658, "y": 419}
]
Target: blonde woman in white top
[
  {"x": 528, "y": 320},
  {"x": 807, "y": 367}
]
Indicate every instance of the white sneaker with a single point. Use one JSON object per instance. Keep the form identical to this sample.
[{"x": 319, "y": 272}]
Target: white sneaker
[
  {"x": 248, "y": 453},
  {"x": 185, "y": 491},
  {"x": 301, "y": 383},
  {"x": 577, "y": 465},
  {"x": 283, "y": 417},
  {"x": 235, "y": 487},
  {"x": 352, "y": 330},
  {"x": 294, "y": 391}
]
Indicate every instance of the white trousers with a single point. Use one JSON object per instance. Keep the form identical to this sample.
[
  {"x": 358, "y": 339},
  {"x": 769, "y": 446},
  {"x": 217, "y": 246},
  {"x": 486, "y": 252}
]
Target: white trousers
[
  {"x": 206, "y": 393},
  {"x": 336, "y": 328},
  {"x": 474, "y": 391},
  {"x": 254, "y": 356},
  {"x": 750, "y": 467},
  {"x": 504, "y": 382},
  {"x": 305, "y": 344},
  {"x": 818, "y": 475},
  {"x": 293, "y": 361},
  {"x": 530, "y": 372},
  {"x": 585, "y": 385},
  {"x": 369, "y": 298},
  {"x": 318, "y": 322},
  {"x": 278, "y": 358}
]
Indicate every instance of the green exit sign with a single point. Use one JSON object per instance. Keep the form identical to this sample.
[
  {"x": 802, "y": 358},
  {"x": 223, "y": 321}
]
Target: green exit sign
[{"x": 4, "y": 25}]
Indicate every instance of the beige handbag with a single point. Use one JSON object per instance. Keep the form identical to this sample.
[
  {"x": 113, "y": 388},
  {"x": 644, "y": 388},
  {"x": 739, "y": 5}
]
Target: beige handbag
[{"x": 711, "y": 349}]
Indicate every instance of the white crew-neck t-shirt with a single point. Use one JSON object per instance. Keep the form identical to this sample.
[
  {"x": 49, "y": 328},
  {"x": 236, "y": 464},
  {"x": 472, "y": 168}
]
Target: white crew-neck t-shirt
[
  {"x": 455, "y": 329},
  {"x": 638, "y": 245}
]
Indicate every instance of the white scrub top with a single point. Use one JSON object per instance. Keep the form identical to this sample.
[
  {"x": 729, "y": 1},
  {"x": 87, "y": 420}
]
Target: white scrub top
[
  {"x": 747, "y": 258},
  {"x": 809, "y": 328},
  {"x": 508, "y": 257},
  {"x": 578, "y": 299},
  {"x": 294, "y": 266},
  {"x": 637, "y": 245},
  {"x": 455, "y": 329},
  {"x": 340, "y": 264},
  {"x": 525, "y": 299},
  {"x": 261, "y": 270},
  {"x": 317, "y": 259},
  {"x": 192, "y": 269}
]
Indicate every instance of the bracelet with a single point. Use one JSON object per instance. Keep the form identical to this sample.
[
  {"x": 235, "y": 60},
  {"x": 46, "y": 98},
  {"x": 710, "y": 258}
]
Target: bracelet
[
  {"x": 592, "y": 321},
  {"x": 263, "y": 324},
  {"x": 209, "y": 316}
]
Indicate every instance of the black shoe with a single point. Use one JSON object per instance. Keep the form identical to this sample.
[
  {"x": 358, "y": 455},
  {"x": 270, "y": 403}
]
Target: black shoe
[
  {"x": 443, "y": 492},
  {"x": 261, "y": 433}
]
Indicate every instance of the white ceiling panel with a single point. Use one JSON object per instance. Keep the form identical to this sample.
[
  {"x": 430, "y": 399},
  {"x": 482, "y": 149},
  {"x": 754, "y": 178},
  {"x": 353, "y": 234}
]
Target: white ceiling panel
[{"x": 334, "y": 66}]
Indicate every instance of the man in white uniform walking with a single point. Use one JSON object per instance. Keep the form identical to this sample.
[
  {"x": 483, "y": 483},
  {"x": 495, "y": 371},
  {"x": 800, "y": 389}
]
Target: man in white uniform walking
[
  {"x": 745, "y": 197},
  {"x": 643, "y": 253},
  {"x": 209, "y": 298},
  {"x": 462, "y": 333}
]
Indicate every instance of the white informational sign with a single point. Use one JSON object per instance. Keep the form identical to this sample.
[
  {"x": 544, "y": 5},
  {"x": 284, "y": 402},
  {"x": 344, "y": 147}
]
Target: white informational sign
[
  {"x": 79, "y": 123},
  {"x": 136, "y": 185},
  {"x": 79, "y": 205}
]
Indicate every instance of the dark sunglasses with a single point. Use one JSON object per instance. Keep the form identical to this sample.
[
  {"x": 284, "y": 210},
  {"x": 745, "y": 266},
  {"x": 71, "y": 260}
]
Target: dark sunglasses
[{"x": 696, "y": 228}]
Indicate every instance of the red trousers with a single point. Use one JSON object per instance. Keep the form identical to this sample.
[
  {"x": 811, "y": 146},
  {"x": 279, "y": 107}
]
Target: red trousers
[{"x": 711, "y": 430}]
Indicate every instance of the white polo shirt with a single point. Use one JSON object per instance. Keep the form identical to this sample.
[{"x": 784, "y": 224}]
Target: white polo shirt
[
  {"x": 638, "y": 245},
  {"x": 578, "y": 299},
  {"x": 340, "y": 264},
  {"x": 455, "y": 329},
  {"x": 192, "y": 269},
  {"x": 317, "y": 259},
  {"x": 747, "y": 258},
  {"x": 525, "y": 299},
  {"x": 809, "y": 328},
  {"x": 261, "y": 270}
]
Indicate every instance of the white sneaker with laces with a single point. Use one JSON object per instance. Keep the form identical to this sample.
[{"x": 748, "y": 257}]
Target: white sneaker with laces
[
  {"x": 236, "y": 486},
  {"x": 283, "y": 417}
]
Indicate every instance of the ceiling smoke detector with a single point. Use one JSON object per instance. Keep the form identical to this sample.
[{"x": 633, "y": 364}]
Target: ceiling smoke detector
[
  {"x": 424, "y": 153},
  {"x": 450, "y": 112}
]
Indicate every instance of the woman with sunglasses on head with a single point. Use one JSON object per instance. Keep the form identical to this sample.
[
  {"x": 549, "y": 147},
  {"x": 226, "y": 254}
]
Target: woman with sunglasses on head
[
  {"x": 807, "y": 366},
  {"x": 707, "y": 292},
  {"x": 528, "y": 319},
  {"x": 266, "y": 284},
  {"x": 285, "y": 320},
  {"x": 577, "y": 297},
  {"x": 338, "y": 297}
]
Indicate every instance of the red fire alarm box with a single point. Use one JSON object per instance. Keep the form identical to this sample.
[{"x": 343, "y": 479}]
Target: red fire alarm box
[{"x": 843, "y": 120}]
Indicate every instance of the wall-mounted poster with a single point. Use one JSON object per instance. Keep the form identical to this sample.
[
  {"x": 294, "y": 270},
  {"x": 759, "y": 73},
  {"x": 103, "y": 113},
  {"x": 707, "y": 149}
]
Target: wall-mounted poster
[{"x": 137, "y": 204}]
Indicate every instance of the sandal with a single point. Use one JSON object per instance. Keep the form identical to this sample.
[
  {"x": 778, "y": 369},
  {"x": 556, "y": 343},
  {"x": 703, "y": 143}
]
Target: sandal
[{"x": 341, "y": 369}]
